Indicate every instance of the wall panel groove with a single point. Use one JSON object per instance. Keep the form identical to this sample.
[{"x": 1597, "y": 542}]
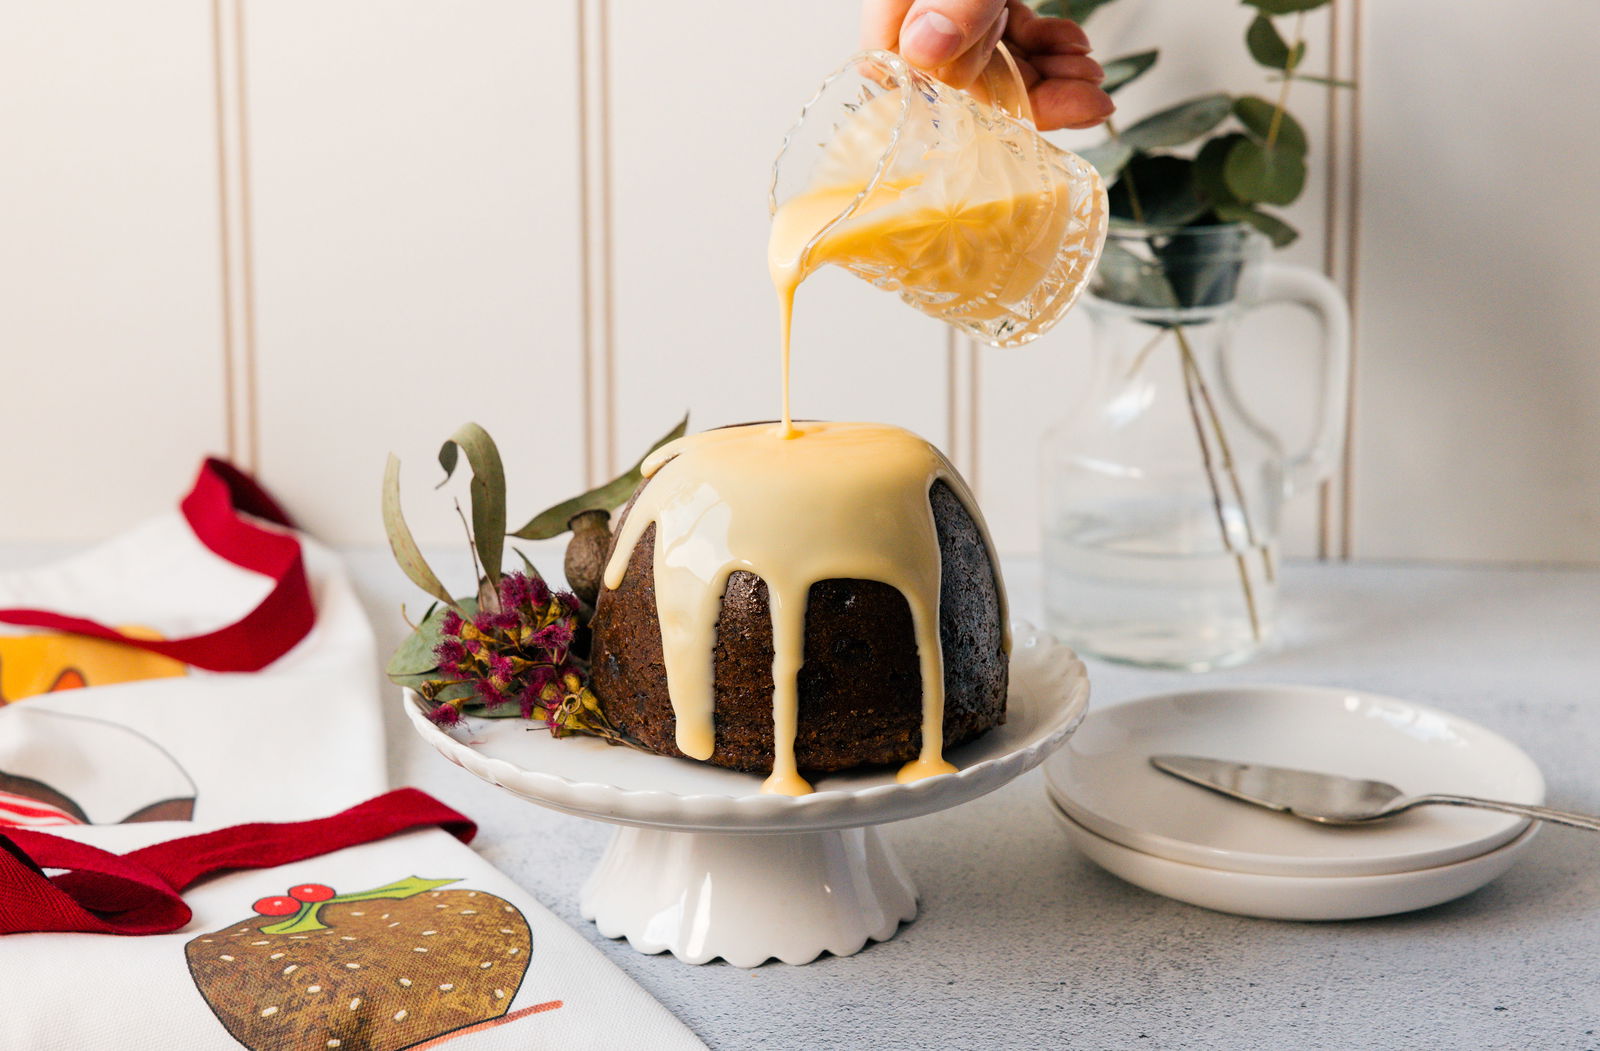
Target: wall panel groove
[
  {"x": 236, "y": 253},
  {"x": 111, "y": 374}
]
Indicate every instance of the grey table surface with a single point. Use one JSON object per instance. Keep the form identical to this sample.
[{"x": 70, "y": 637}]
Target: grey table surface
[{"x": 1023, "y": 943}]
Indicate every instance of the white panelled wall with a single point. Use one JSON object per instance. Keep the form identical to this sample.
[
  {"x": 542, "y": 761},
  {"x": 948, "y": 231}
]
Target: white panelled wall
[{"x": 303, "y": 234}]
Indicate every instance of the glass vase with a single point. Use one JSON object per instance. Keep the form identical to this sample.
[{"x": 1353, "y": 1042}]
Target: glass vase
[{"x": 1163, "y": 493}]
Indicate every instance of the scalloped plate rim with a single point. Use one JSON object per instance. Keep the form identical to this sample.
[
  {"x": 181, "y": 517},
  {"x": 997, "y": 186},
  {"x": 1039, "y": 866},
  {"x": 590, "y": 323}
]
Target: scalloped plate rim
[{"x": 563, "y": 793}]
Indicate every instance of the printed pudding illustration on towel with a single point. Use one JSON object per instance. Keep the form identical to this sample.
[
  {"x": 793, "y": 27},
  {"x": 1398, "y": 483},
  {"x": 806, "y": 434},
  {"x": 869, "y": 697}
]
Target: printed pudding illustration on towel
[
  {"x": 40, "y": 662},
  {"x": 381, "y": 969},
  {"x": 60, "y": 769}
]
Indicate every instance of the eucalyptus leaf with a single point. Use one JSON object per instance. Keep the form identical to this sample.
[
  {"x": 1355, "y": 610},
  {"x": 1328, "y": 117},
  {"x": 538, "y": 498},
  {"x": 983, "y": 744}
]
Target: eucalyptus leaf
[
  {"x": 1203, "y": 264},
  {"x": 1284, "y": 7},
  {"x": 1077, "y": 10},
  {"x": 1164, "y": 187},
  {"x": 488, "y": 492},
  {"x": 454, "y": 691},
  {"x": 1266, "y": 44},
  {"x": 553, "y": 520},
  {"x": 1108, "y": 158},
  {"x": 413, "y": 680},
  {"x": 527, "y": 565},
  {"x": 1122, "y": 71},
  {"x": 1256, "y": 174},
  {"x": 1281, "y": 233},
  {"x": 1123, "y": 277},
  {"x": 1208, "y": 163},
  {"x": 1179, "y": 124},
  {"x": 414, "y": 656},
  {"x": 401, "y": 542},
  {"x": 1327, "y": 82},
  {"x": 1256, "y": 115}
]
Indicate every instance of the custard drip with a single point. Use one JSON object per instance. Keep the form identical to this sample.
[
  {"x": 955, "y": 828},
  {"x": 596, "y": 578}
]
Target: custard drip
[
  {"x": 964, "y": 241},
  {"x": 846, "y": 501}
]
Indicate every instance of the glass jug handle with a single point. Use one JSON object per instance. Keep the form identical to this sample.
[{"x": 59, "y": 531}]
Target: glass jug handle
[
  {"x": 1304, "y": 287},
  {"x": 1001, "y": 86}
]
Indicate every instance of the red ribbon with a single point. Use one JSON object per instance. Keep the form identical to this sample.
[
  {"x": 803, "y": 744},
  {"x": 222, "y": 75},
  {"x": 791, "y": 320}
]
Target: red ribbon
[
  {"x": 139, "y": 892},
  {"x": 215, "y": 509}
]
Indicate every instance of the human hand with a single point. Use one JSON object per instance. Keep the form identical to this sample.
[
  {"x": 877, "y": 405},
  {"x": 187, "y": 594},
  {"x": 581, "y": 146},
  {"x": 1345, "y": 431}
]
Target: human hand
[{"x": 953, "y": 39}]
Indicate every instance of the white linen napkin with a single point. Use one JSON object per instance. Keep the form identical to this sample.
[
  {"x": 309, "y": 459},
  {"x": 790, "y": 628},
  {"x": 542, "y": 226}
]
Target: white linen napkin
[{"x": 448, "y": 953}]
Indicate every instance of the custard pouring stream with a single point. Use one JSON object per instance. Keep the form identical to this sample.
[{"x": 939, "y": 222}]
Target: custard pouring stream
[{"x": 961, "y": 208}]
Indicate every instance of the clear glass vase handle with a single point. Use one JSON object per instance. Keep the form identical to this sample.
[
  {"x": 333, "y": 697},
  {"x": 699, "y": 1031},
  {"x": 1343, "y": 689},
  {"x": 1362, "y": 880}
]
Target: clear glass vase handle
[{"x": 1281, "y": 283}]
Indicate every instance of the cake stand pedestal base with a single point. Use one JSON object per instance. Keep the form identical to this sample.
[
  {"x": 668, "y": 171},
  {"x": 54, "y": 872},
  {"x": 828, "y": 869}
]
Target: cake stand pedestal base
[{"x": 749, "y": 898}]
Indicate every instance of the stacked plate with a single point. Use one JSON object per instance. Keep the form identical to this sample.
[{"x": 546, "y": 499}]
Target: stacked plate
[{"x": 1197, "y": 846}]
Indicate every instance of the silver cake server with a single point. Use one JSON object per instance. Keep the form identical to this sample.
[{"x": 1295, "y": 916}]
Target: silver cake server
[{"x": 1331, "y": 799}]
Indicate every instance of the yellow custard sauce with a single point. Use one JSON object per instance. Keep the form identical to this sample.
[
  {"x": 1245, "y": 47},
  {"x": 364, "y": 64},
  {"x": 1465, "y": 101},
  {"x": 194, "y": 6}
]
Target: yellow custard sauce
[{"x": 829, "y": 501}]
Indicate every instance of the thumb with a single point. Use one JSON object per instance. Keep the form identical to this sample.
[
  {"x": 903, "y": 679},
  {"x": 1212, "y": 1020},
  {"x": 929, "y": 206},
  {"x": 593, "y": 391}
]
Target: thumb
[{"x": 936, "y": 32}]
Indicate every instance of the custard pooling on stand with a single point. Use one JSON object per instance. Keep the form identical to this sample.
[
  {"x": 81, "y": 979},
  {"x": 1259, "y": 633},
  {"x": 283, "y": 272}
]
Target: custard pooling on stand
[{"x": 842, "y": 501}]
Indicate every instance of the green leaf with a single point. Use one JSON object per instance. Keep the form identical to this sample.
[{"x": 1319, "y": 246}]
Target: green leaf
[
  {"x": 1179, "y": 124},
  {"x": 1257, "y": 174},
  {"x": 1077, "y": 10},
  {"x": 552, "y": 521},
  {"x": 452, "y": 691},
  {"x": 1266, "y": 44},
  {"x": 1256, "y": 115},
  {"x": 415, "y": 656},
  {"x": 527, "y": 565},
  {"x": 401, "y": 542},
  {"x": 1123, "y": 277},
  {"x": 1282, "y": 233},
  {"x": 1284, "y": 7},
  {"x": 1327, "y": 82},
  {"x": 1108, "y": 158},
  {"x": 1165, "y": 188},
  {"x": 488, "y": 493},
  {"x": 1203, "y": 264},
  {"x": 1128, "y": 68},
  {"x": 306, "y": 919},
  {"x": 1208, "y": 164}
]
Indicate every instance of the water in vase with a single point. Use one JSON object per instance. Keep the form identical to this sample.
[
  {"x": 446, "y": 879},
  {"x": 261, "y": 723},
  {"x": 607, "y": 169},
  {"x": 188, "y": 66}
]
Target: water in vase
[{"x": 1149, "y": 587}]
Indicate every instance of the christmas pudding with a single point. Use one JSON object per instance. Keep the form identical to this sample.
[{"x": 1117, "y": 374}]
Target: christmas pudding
[{"x": 810, "y": 599}]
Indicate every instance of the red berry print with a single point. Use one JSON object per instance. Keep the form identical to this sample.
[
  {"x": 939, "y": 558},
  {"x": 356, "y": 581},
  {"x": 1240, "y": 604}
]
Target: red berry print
[
  {"x": 311, "y": 892},
  {"x": 277, "y": 906}
]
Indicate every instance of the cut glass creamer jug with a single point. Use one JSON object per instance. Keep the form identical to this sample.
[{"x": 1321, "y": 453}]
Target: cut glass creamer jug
[{"x": 950, "y": 198}]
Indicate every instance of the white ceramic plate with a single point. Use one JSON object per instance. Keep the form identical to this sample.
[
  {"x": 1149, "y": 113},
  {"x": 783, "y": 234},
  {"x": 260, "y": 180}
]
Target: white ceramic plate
[
  {"x": 584, "y": 776},
  {"x": 1104, "y": 781},
  {"x": 1296, "y": 897}
]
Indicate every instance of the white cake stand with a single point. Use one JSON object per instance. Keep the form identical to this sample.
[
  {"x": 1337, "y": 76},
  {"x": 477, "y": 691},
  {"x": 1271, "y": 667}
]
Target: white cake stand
[{"x": 703, "y": 866}]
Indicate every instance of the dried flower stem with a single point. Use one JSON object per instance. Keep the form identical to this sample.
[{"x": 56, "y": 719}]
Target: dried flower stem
[{"x": 472, "y": 546}]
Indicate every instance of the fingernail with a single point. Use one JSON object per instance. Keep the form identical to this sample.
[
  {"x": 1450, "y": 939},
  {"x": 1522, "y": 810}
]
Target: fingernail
[{"x": 932, "y": 40}]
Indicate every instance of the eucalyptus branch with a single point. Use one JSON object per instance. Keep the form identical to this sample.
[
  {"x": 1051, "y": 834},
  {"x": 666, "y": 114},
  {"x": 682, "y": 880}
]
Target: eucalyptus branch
[
  {"x": 1296, "y": 50},
  {"x": 1191, "y": 381},
  {"x": 1224, "y": 451},
  {"x": 1127, "y": 177}
]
